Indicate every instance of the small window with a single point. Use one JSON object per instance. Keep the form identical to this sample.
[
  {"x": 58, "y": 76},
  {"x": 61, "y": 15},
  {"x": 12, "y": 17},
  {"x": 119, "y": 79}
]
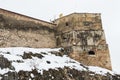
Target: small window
[
  {"x": 91, "y": 53},
  {"x": 64, "y": 37},
  {"x": 66, "y": 24}
]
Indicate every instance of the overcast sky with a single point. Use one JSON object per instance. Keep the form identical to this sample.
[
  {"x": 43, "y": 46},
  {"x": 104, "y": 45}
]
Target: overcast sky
[{"x": 50, "y": 9}]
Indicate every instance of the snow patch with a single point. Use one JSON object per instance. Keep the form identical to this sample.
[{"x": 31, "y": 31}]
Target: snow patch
[
  {"x": 5, "y": 70},
  {"x": 32, "y": 75},
  {"x": 99, "y": 70}
]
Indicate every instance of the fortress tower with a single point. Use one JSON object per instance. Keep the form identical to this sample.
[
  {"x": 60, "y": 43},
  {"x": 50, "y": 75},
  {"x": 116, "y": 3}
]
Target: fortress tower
[{"x": 83, "y": 37}]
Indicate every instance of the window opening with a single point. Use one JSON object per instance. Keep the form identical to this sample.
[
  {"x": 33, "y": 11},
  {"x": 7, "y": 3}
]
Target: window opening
[
  {"x": 91, "y": 53},
  {"x": 66, "y": 24}
]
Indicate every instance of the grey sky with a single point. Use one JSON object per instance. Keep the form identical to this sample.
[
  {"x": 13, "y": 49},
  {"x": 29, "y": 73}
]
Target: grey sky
[{"x": 50, "y": 9}]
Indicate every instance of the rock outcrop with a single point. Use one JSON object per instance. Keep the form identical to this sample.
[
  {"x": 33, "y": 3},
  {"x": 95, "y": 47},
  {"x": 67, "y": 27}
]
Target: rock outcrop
[{"x": 59, "y": 74}]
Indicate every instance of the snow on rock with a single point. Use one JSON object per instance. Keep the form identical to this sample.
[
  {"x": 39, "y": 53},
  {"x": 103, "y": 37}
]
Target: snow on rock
[{"x": 48, "y": 61}]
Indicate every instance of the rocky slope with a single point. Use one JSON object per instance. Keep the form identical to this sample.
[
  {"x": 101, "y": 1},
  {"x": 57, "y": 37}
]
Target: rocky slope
[{"x": 47, "y": 64}]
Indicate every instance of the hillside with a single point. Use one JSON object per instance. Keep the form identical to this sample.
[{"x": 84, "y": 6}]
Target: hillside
[{"x": 47, "y": 64}]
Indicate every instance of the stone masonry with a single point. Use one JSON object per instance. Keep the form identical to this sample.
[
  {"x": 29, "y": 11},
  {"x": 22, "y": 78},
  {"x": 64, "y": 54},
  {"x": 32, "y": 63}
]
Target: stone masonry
[
  {"x": 84, "y": 39},
  {"x": 81, "y": 35}
]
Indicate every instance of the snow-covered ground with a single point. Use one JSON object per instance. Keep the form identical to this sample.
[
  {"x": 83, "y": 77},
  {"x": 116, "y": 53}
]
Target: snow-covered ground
[{"x": 48, "y": 61}]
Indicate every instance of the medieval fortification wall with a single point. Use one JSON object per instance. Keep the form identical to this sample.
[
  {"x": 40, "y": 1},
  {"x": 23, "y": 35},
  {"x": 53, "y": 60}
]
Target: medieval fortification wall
[
  {"x": 81, "y": 35},
  {"x": 20, "y": 31}
]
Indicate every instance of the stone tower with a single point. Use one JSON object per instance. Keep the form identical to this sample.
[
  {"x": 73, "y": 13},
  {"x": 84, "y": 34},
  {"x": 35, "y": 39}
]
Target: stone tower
[{"x": 83, "y": 37}]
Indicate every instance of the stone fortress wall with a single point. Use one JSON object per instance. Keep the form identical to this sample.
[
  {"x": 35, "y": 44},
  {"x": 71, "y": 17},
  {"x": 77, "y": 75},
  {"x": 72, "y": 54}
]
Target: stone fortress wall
[
  {"x": 21, "y": 31},
  {"x": 81, "y": 35}
]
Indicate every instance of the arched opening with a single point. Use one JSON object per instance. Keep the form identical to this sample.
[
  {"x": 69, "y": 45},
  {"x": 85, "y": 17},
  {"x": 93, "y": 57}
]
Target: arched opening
[{"x": 91, "y": 53}]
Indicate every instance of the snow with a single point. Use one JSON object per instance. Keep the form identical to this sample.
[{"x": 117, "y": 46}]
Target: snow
[
  {"x": 49, "y": 61},
  {"x": 3, "y": 71},
  {"x": 99, "y": 70},
  {"x": 32, "y": 75}
]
